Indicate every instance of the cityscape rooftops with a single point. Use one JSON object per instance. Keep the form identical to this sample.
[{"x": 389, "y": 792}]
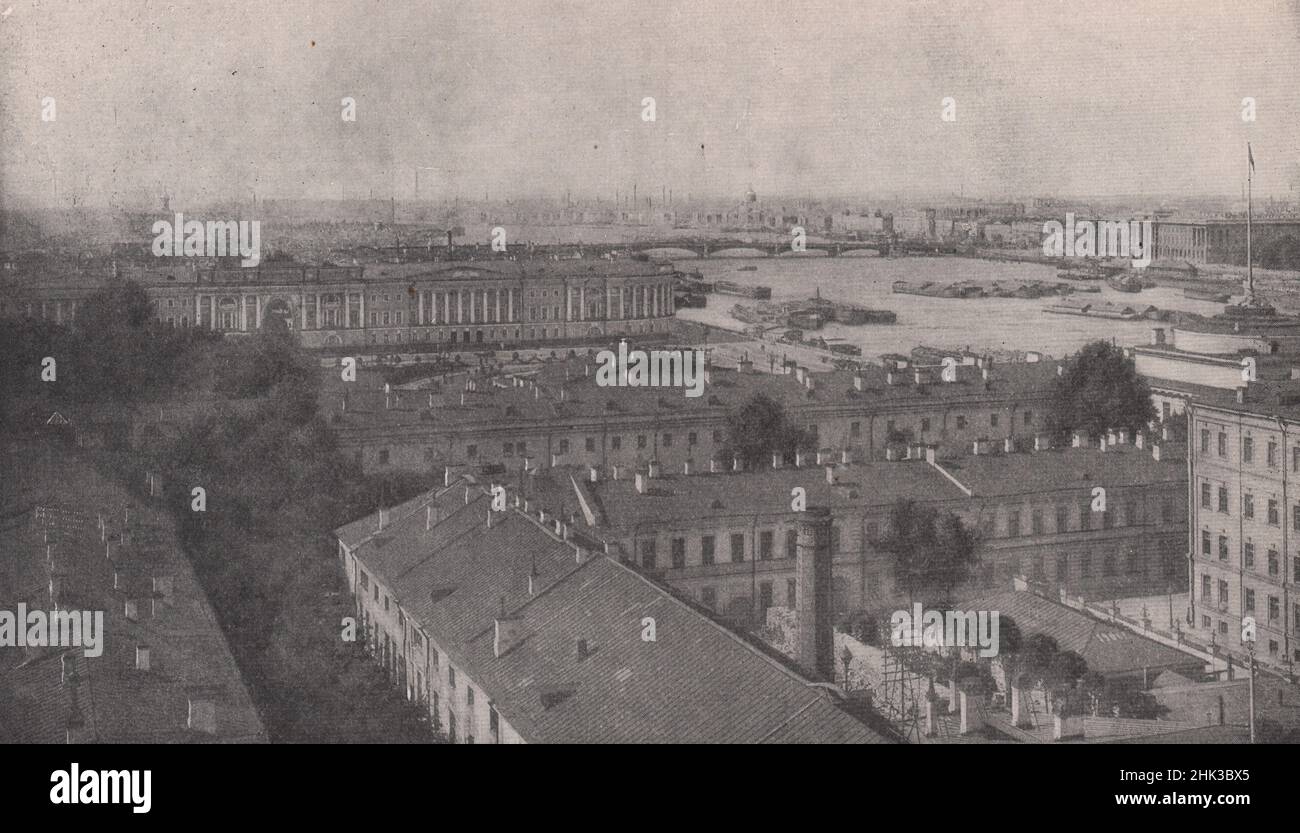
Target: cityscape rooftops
[{"x": 697, "y": 681}]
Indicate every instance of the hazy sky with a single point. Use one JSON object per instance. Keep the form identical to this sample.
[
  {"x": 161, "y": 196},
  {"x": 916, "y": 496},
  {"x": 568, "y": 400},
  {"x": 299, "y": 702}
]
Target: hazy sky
[{"x": 213, "y": 100}]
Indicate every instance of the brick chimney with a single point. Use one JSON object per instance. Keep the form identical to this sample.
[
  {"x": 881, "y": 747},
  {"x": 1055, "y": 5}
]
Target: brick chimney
[
  {"x": 506, "y": 632},
  {"x": 813, "y": 595}
]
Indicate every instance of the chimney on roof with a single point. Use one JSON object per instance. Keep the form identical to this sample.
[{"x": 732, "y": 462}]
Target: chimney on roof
[
  {"x": 532, "y": 582},
  {"x": 467, "y": 496},
  {"x": 1139, "y": 440},
  {"x": 985, "y": 372},
  {"x": 131, "y": 611},
  {"x": 688, "y": 466},
  {"x": 859, "y": 381},
  {"x": 929, "y": 454},
  {"x": 581, "y": 650},
  {"x": 593, "y": 474},
  {"x": 736, "y": 464},
  {"x": 892, "y": 453},
  {"x": 163, "y": 588},
  {"x": 1155, "y": 451},
  {"x": 800, "y": 458},
  {"x": 382, "y": 519},
  {"x": 830, "y": 475},
  {"x": 555, "y": 460},
  {"x": 1079, "y": 439},
  {"x": 1157, "y": 335},
  {"x": 1042, "y": 442},
  {"x": 823, "y": 456},
  {"x": 1102, "y": 443},
  {"x": 809, "y": 382},
  {"x": 777, "y": 460},
  {"x": 800, "y": 373},
  {"x": 1060, "y": 369},
  {"x": 202, "y": 716},
  {"x": 846, "y": 456},
  {"x": 813, "y": 593},
  {"x": 489, "y": 517},
  {"x": 614, "y": 471},
  {"x": 446, "y": 476},
  {"x": 506, "y": 630},
  {"x": 715, "y": 465},
  {"x": 980, "y": 446},
  {"x": 142, "y": 657},
  {"x": 745, "y": 365},
  {"x": 653, "y": 469},
  {"x": 1009, "y": 445},
  {"x": 919, "y": 376},
  {"x": 640, "y": 483}
]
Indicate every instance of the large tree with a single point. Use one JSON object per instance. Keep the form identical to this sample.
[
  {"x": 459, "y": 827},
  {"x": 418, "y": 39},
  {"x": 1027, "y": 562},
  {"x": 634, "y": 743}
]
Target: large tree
[
  {"x": 760, "y": 427},
  {"x": 932, "y": 553},
  {"x": 1100, "y": 391}
]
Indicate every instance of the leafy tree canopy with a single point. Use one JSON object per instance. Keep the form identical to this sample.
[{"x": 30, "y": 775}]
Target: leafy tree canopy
[{"x": 1100, "y": 391}]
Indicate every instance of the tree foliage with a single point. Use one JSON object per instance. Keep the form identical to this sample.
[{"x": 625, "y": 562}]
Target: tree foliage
[
  {"x": 760, "y": 427},
  {"x": 931, "y": 553},
  {"x": 1100, "y": 391}
]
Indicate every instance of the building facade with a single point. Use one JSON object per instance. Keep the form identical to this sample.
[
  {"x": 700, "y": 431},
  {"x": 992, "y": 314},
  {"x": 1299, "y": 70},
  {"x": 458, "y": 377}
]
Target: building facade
[{"x": 446, "y": 305}]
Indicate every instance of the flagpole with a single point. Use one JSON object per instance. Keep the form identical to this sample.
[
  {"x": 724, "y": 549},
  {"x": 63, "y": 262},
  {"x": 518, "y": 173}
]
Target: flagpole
[{"x": 1250, "y": 263}]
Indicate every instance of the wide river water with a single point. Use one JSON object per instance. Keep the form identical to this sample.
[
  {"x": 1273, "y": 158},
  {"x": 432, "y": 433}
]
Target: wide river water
[{"x": 980, "y": 323}]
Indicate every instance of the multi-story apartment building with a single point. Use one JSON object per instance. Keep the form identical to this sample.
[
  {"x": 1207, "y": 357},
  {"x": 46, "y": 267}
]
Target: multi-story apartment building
[
  {"x": 558, "y": 415},
  {"x": 442, "y": 304},
  {"x": 512, "y": 629},
  {"x": 1244, "y": 524},
  {"x": 1217, "y": 240},
  {"x": 727, "y": 538}
]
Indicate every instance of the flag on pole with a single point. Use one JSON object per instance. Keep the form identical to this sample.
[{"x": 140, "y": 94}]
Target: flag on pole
[{"x": 1250, "y": 156}]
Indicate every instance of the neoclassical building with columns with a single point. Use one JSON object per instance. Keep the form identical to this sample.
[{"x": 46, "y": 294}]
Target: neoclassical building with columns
[{"x": 444, "y": 304}]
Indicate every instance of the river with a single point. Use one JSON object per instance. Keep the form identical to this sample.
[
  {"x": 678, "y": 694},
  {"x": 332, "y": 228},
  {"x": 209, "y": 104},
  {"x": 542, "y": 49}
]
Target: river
[{"x": 980, "y": 323}]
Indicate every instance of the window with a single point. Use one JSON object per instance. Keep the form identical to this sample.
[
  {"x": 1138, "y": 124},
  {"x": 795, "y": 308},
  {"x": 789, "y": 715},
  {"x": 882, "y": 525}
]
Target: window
[
  {"x": 640, "y": 440},
  {"x": 1272, "y": 513},
  {"x": 1085, "y": 515},
  {"x": 469, "y": 695},
  {"x": 591, "y": 444},
  {"x": 383, "y": 456},
  {"x": 791, "y": 591},
  {"x": 1248, "y": 505},
  {"x": 1108, "y": 565},
  {"x": 1250, "y": 600},
  {"x": 1247, "y": 450},
  {"x": 1223, "y": 444},
  {"x": 1029, "y": 418},
  {"x": 1274, "y": 565},
  {"x": 1223, "y": 547},
  {"x": 451, "y": 678},
  {"x": 706, "y": 549},
  {"x": 765, "y": 594},
  {"x": 993, "y": 420},
  {"x": 1205, "y": 495},
  {"x": 1013, "y": 524},
  {"x": 1223, "y": 499},
  {"x": 1207, "y": 548},
  {"x": 1205, "y": 441},
  {"x": 1271, "y": 458},
  {"x": 616, "y": 442},
  {"x": 692, "y": 438},
  {"x": 648, "y": 554},
  {"x": 1036, "y": 521},
  {"x": 925, "y": 425},
  {"x": 717, "y": 437},
  {"x": 1062, "y": 519},
  {"x": 961, "y": 422},
  {"x": 1223, "y": 592},
  {"x": 679, "y": 553},
  {"x": 855, "y": 429},
  {"x": 564, "y": 446},
  {"x": 471, "y": 451},
  {"x": 1205, "y": 587},
  {"x": 792, "y": 545},
  {"x": 494, "y": 722},
  {"x": 1062, "y": 568},
  {"x": 1249, "y": 554},
  {"x": 737, "y": 547},
  {"x": 765, "y": 545},
  {"x": 1274, "y": 609},
  {"x": 1166, "y": 511}
]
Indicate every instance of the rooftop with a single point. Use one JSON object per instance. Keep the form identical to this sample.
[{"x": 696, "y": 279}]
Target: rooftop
[{"x": 698, "y": 682}]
